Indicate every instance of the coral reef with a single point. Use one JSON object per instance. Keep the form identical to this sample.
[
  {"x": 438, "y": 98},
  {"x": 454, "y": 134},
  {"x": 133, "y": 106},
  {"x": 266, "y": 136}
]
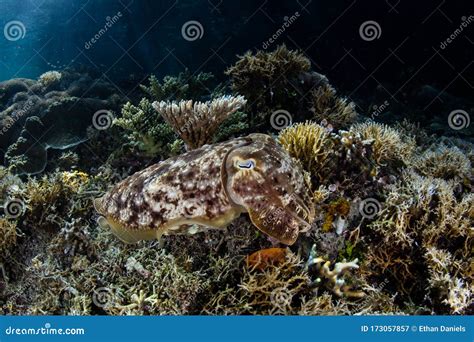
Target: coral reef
[
  {"x": 283, "y": 80},
  {"x": 391, "y": 206},
  {"x": 271, "y": 80},
  {"x": 310, "y": 143},
  {"x": 196, "y": 122},
  {"x": 49, "y": 78},
  {"x": 329, "y": 158},
  {"x": 8, "y": 236},
  {"x": 424, "y": 227},
  {"x": 149, "y": 130}
]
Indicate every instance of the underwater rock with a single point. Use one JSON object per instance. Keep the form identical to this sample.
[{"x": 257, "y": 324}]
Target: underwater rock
[
  {"x": 63, "y": 103},
  {"x": 210, "y": 187}
]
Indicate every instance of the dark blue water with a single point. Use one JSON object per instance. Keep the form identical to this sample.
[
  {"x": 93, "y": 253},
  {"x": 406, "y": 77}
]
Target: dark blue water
[{"x": 147, "y": 39}]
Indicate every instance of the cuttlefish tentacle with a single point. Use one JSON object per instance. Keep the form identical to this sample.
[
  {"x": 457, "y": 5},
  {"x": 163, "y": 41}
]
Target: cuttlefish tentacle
[{"x": 208, "y": 188}]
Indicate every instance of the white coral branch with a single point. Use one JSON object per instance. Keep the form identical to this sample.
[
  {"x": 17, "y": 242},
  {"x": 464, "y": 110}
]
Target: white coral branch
[{"x": 196, "y": 122}]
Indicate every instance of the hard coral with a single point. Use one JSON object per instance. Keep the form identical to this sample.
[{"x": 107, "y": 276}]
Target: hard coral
[
  {"x": 146, "y": 129},
  {"x": 329, "y": 107},
  {"x": 196, "y": 122},
  {"x": 267, "y": 79},
  {"x": 388, "y": 144},
  {"x": 49, "y": 78},
  {"x": 424, "y": 211},
  {"x": 443, "y": 162},
  {"x": 183, "y": 86},
  {"x": 309, "y": 143},
  {"x": 330, "y": 158},
  {"x": 8, "y": 235}
]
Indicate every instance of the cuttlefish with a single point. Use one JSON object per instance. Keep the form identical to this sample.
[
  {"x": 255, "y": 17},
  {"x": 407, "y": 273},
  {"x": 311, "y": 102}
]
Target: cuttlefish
[{"x": 208, "y": 188}]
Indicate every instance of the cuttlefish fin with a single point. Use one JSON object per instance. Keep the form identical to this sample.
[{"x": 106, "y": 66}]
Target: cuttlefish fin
[{"x": 125, "y": 234}]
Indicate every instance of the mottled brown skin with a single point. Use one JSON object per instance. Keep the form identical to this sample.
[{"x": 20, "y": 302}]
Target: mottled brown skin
[{"x": 208, "y": 188}]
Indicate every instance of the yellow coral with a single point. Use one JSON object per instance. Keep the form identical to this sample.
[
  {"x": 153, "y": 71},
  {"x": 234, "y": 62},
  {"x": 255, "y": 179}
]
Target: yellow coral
[
  {"x": 337, "y": 208},
  {"x": 309, "y": 143},
  {"x": 8, "y": 235},
  {"x": 74, "y": 179},
  {"x": 388, "y": 144}
]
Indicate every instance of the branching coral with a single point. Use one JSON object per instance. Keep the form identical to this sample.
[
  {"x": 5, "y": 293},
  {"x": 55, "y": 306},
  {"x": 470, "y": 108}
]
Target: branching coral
[
  {"x": 183, "y": 86},
  {"x": 328, "y": 157},
  {"x": 196, "y": 122},
  {"x": 8, "y": 235},
  {"x": 236, "y": 124},
  {"x": 145, "y": 128},
  {"x": 329, "y": 107},
  {"x": 309, "y": 143},
  {"x": 273, "y": 290},
  {"x": 269, "y": 79},
  {"x": 424, "y": 211},
  {"x": 443, "y": 162},
  {"x": 333, "y": 278},
  {"x": 388, "y": 144}
]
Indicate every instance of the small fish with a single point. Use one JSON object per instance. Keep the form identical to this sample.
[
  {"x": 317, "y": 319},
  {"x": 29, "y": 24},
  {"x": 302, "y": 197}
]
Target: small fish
[
  {"x": 208, "y": 188},
  {"x": 263, "y": 258}
]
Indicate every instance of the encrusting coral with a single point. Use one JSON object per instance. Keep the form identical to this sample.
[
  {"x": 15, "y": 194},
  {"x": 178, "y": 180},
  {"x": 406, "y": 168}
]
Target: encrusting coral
[
  {"x": 196, "y": 122},
  {"x": 53, "y": 112}
]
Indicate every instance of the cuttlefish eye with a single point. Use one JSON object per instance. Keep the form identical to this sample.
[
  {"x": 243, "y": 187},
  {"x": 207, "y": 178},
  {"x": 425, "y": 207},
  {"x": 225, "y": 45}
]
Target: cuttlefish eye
[{"x": 246, "y": 164}]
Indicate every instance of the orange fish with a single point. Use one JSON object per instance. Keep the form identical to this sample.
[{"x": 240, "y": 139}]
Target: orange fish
[{"x": 266, "y": 257}]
